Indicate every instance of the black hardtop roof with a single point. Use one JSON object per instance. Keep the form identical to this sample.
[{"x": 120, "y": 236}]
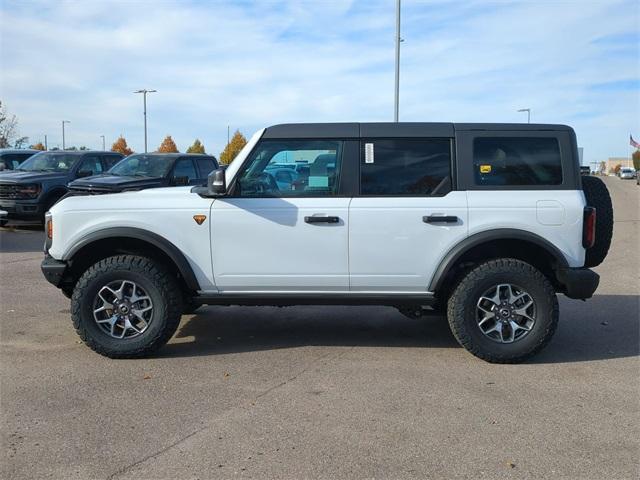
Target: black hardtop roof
[{"x": 393, "y": 129}]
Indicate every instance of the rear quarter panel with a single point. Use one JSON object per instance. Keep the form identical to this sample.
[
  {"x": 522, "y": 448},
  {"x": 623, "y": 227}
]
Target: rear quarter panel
[{"x": 555, "y": 215}]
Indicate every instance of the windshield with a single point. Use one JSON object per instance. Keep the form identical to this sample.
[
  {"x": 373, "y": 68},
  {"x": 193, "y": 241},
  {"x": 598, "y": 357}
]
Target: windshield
[
  {"x": 143, "y": 165},
  {"x": 48, "y": 162}
]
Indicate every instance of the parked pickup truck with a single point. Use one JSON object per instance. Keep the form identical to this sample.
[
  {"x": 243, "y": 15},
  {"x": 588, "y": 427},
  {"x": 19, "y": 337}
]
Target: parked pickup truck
[
  {"x": 29, "y": 190},
  {"x": 149, "y": 170},
  {"x": 484, "y": 223}
]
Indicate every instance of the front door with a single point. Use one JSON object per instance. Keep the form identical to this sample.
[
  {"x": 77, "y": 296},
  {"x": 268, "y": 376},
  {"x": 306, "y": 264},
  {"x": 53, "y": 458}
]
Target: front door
[
  {"x": 283, "y": 227},
  {"x": 406, "y": 217}
]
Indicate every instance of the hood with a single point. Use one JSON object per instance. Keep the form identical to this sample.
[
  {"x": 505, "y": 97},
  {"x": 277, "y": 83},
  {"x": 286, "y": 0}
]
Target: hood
[
  {"x": 116, "y": 183},
  {"x": 16, "y": 176}
]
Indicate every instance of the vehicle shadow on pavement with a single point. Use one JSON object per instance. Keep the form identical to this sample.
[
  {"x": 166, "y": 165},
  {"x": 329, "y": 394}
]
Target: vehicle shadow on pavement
[
  {"x": 220, "y": 330},
  {"x": 21, "y": 239},
  {"x": 605, "y": 327}
]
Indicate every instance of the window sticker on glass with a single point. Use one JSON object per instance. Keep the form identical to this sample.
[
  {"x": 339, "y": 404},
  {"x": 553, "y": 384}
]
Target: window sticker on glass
[
  {"x": 368, "y": 153},
  {"x": 318, "y": 182},
  {"x": 485, "y": 168}
]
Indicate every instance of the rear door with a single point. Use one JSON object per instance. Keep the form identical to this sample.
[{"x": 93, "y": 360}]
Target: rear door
[
  {"x": 285, "y": 237},
  {"x": 407, "y": 215}
]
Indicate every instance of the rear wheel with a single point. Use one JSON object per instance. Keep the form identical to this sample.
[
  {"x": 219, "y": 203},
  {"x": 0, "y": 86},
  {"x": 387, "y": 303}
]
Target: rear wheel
[
  {"x": 503, "y": 311},
  {"x": 126, "y": 306}
]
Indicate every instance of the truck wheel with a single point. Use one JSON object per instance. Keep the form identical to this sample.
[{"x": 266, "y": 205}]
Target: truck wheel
[
  {"x": 126, "y": 306},
  {"x": 597, "y": 195},
  {"x": 3, "y": 222},
  {"x": 503, "y": 311}
]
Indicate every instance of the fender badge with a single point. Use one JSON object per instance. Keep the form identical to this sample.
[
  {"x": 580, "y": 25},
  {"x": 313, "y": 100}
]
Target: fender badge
[{"x": 199, "y": 219}]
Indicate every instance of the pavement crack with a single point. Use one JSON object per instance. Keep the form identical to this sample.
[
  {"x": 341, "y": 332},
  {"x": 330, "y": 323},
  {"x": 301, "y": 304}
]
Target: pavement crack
[{"x": 151, "y": 456}]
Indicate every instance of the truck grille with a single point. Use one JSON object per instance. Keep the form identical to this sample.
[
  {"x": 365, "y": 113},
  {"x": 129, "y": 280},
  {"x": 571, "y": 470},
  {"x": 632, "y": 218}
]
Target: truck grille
[{"x": 8, "y": 190}]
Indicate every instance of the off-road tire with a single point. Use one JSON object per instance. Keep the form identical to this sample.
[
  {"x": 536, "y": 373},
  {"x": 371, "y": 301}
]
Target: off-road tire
[
  {"x": 461, "y": 310},
  {"x": 159, "y": 284},
  {"x": 597, "y": 195}
]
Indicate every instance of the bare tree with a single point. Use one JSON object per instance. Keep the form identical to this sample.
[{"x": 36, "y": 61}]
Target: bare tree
[{"x": 9, "y": 130}]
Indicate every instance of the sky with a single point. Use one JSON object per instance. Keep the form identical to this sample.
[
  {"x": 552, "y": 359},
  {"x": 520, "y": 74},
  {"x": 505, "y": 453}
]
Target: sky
[{"x": 248, "y": 65}]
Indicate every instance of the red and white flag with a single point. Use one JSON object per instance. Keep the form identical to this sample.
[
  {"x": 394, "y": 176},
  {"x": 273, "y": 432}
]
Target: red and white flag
[{"x": 633, "y": 143}]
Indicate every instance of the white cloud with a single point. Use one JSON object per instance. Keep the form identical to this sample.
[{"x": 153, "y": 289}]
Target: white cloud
[{"x": 247, "y": 65}]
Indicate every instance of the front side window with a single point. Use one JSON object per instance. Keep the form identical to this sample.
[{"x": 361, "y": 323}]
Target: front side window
[
  {"x": 517, "y": 161},
  {"x": 184, "y": 168},
  {"x": 397, "y": 167},
  {"x": 291, "y": 168},
  {"x": 91, "y": 165}
]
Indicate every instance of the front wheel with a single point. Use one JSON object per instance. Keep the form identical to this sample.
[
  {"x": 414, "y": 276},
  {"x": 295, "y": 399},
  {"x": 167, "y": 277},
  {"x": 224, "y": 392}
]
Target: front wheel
[
  {"x": 126, "y": 306},
  {"x": 503, "y": 311}
]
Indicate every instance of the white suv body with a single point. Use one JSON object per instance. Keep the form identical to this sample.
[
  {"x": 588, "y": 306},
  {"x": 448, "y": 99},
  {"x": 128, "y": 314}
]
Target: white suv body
[{"x": 390, "y": 214}]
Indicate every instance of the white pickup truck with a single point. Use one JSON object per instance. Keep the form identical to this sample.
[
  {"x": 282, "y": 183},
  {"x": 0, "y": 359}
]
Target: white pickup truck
[{"x": 485, "y": 223}]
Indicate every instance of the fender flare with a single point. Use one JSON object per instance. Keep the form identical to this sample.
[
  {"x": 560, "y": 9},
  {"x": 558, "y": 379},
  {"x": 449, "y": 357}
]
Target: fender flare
[
  {"x": 173, "y": 252},
  {"x": 455, "y": 253}
]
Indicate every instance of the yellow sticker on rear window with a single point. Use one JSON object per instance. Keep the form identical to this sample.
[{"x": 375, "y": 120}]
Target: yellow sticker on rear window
[{"x": 485, "y": 168}]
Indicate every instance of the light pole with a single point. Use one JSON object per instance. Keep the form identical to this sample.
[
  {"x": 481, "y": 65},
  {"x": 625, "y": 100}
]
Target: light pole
[
  {"x": 144, "y": 101},
  {"x": 46, "y": 147},
  {"x": 103, "y": 145},
  {"x": 63, "y": 122},
  {"x": 528, "y": 110},
  {"x": 396, "y": 106}
]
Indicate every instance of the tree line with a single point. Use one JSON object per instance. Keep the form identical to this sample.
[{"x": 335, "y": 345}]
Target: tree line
[
  {"x": 168, "y": 145},
  {"x": 10, "y": 138}
]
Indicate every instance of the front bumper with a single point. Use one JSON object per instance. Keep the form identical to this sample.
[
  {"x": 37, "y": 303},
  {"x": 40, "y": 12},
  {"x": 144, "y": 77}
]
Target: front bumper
[
  {"x": 53, "y": 270},
  {"x": 580, "y": 283},
  {"x": 21, "y": 209}
]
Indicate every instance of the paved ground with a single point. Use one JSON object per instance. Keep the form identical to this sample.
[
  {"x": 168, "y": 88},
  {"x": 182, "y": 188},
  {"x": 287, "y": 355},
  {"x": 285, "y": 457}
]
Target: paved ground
[{"x": 321, "y": 392}]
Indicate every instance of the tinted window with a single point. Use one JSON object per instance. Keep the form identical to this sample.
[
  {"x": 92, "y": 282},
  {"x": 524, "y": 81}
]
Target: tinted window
[
  {"x": 406, "y": 167},
  {"x": 206, "y": 166},
  {"x": 184, "y": 168},
  {"x": 517, "y": 161},
  {"x": 109, "y": 161},
  {"x": 292, "y": 168},
  {"x": 91, "y": 164}
]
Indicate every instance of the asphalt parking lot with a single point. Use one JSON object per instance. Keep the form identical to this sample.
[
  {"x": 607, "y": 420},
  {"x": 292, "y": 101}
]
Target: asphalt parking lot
[{"x": 329, "y": 392}]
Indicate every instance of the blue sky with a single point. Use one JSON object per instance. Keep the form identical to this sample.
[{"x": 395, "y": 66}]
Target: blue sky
[{"x": 251, "y": 64}]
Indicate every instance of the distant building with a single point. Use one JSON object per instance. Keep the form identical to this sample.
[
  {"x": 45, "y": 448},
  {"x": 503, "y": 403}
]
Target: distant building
[{"x": 611, "y": 163}]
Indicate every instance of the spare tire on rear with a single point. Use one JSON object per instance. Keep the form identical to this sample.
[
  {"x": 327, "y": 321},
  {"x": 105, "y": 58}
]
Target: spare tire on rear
[{"x": 597, "y": 195}]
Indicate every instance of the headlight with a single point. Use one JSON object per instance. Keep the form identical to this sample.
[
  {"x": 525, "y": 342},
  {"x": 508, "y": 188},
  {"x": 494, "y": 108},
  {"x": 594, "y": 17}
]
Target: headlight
[{"x": 28, "y": 190}]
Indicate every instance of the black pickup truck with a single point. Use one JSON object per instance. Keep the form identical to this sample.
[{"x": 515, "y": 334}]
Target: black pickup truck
[
  {"x": 148, "y": 170},
  {"x": 29, "y": 190}
]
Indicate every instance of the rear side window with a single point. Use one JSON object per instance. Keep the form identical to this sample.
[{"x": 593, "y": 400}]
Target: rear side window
[
  {"x": 517, "y": 161},
  {"x": 397, "y": 167}
]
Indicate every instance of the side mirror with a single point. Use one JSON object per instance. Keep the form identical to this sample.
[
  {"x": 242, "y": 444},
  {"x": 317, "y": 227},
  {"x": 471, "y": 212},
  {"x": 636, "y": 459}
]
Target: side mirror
[
  {"x": 180, "y": 181},
  {"x": 85, "y": 173},
  {"x": 217, "y": 183}
]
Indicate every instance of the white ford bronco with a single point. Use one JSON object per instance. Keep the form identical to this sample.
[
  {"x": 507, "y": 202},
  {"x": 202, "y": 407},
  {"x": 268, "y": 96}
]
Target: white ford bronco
[{"x": 484, "y": 223}]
